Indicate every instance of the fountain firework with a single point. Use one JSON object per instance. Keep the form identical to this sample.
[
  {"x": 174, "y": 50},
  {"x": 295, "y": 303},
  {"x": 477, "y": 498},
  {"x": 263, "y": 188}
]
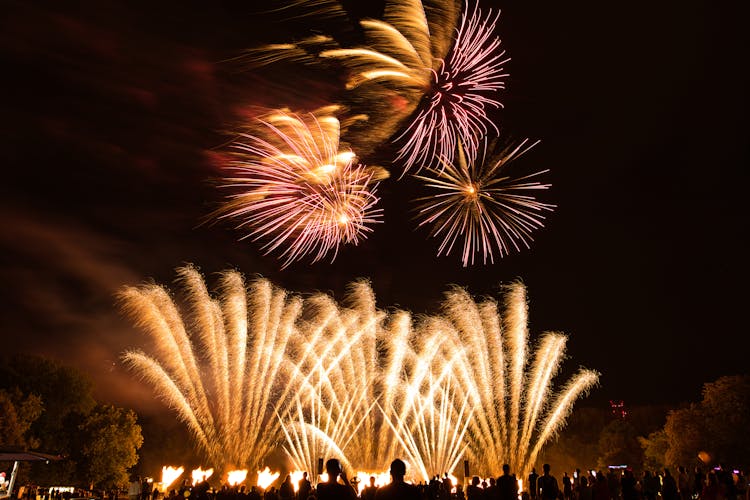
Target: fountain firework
[
  {"x": 220, "y": 378},
  {"x": 352, "y": 381}
]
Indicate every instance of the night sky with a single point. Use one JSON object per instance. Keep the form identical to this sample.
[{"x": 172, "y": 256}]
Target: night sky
[{"x": 113, "y": 115}]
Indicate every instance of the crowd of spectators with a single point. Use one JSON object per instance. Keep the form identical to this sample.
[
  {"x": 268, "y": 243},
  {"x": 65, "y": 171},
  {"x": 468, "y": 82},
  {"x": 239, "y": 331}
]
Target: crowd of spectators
[{"x": 719, "y": 483}]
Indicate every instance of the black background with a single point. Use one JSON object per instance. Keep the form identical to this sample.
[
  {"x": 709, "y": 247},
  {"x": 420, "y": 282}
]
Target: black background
[{"x": 113, "y": 114}]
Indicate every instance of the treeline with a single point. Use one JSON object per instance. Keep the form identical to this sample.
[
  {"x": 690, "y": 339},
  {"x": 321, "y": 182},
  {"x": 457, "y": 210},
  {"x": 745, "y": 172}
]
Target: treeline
[
  {"x": 703, "y": 433},
  {"x": 48, "y": 407}
]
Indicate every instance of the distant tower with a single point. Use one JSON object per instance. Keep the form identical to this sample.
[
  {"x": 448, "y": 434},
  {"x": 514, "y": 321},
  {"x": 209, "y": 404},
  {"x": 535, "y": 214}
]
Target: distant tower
[{"x": 617, "y": 407}]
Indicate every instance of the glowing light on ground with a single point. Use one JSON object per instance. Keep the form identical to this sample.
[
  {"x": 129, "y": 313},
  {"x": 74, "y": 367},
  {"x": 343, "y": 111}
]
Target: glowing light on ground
[
  {"x": 266, "y": 478},
  {"x": 476, "y": 207},
  {"x": 235, "y": 477},
  {"x": 381, "y": 479},
  {"x": 354, "y": 381},
  {"x": 169, "y": 475},
  {"x": 199, "y": 475},
  {"x": 296, "y": 477}
]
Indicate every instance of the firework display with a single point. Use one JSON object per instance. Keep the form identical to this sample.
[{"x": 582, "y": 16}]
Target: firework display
[
  {"x": 256, "y": 366},
  {"x": 474, "y": 203},
  {"x": 297, "y": 189},
  {"x": 461, "y": 90},
  {"x": 420, "y": 81}
]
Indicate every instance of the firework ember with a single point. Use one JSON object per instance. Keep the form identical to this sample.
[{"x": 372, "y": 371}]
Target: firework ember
[
  {"x": 295, "y": 191},
  {"x": 462, "y": 89},
  {"x": 476, "y": 205}
]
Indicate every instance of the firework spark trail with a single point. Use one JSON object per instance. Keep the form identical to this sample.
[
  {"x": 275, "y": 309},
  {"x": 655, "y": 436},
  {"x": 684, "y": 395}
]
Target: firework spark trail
[
  {"x": 515, "y": 324},
  {"x": 432, "y": 421},
  {"x": 561, "y": 408},
  {"x": 444, "y": 63},
  {"x": 478, "y": 325},
  {"x": 477, "y": 205},
  {"x": 458, "y": 86},
  {"x": 295, "y": 188},
  {"x": 197, "y": 392},
  {"x": 203, "y": 313},
  {"x": 549, "y": 353},
  {"x": 461, "y": 90},
  {"x": 351, "y": 380},
  {"x": 338, "y": 367},
  {"x": 521, "y": 396}
]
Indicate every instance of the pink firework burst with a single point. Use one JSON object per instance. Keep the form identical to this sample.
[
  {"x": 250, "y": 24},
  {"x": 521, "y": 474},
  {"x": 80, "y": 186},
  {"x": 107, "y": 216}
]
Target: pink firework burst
[
  {"x": 296, "y": 192},
  {"x": 478, "y": 206},
  {"x": 455, "y": 108}
]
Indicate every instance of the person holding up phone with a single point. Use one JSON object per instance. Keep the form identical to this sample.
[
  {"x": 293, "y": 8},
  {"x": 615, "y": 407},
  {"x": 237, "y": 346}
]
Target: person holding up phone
[{"x": 333, "y": 489}]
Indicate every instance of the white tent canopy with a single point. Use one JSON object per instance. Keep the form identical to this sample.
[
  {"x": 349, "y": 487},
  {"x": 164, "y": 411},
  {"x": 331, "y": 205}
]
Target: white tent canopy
[{"x": 23, "y": 456}]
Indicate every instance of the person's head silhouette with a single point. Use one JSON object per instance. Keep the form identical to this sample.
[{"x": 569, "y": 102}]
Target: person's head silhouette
[
  {"x": 333, "y": 468},
  {"x": 398, "y": 470}
]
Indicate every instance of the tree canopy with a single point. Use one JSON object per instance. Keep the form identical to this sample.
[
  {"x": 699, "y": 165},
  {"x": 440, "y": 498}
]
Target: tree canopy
[
  {"x": 109, "y": 438},
  {"x": 49, "y": 407},
  {"x": 716, "y": 425}
]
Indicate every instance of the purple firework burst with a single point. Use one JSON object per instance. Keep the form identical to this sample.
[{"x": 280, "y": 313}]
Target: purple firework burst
[{"x": 455, "y": 108}]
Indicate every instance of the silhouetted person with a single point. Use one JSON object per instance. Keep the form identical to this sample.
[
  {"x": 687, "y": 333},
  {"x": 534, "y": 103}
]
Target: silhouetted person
[
  {"x": 711, "y": 490},
  {"x": 600, "y": 488},
  {"x": 286, "y": 491},
  {"x": 507, "y": 485},
  {"x": 613, "y": 481},
  {"x": 332, "y": 489},
  {"x": 584, "y": 490},
  {"x": 146, "y": 487},
  {"x": 649, "y": 485},
  {"x": 369, "y": 491},
  {"x": 726, "y": 482},
  {"x": 473, "y": 491},
  {"x": 567, "y": 486},
  {"x": 547, "y": 485},
  {"x": 629, "y": 491},
  {"x": 445, "y": 488},
  {"x": 668, "y": 486},
  {"x": 398, "y": 489},
  {"x": 201, "y": 489},
  {"x": 532, "y": 483},
  {"x": 270, "y": 494},
  {"x": 433, "y": 489},
  {"x": 492, "y": 492},
  {"x": 683, "y": 484},
  {"x": 305, "y": 487},
  {"x": 699, "y": 480}
]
